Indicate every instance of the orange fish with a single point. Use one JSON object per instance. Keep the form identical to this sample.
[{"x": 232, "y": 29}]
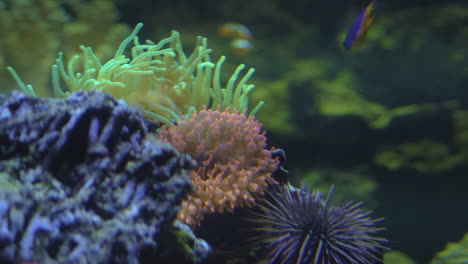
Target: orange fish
[
  {"x": 241, "y": 46},
  {"x": 234, "y": 30}
]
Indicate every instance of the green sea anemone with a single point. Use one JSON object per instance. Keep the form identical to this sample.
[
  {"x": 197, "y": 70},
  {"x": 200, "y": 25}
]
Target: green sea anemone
[{"x": 159, "y": 78}]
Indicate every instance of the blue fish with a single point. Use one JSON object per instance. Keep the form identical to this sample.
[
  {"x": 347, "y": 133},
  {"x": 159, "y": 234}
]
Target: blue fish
[{"x": 358, "y": 31}]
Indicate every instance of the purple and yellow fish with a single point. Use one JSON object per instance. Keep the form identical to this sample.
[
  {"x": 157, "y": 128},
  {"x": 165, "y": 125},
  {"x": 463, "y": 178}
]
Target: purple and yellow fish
[{"x": 358, "y": 31}]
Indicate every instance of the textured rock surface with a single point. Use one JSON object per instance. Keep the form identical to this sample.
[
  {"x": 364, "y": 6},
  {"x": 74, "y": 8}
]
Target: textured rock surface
[{"x": 84, "y": 182}]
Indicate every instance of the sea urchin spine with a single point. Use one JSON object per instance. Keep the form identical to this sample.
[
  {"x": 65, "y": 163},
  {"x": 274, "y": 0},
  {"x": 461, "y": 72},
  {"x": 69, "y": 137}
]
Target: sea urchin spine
[{"x": 295, "y": 226}]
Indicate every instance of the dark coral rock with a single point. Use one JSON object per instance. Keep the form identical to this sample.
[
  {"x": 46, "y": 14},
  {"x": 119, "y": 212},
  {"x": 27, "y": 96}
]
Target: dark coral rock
[
  {"x": 183, "y": 240},
  {"x": 95, "y": 185}
]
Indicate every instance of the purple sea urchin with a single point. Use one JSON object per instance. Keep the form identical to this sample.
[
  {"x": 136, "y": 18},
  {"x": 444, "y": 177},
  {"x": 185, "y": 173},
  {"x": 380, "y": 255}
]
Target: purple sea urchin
[{"x": 295, "y": 226}]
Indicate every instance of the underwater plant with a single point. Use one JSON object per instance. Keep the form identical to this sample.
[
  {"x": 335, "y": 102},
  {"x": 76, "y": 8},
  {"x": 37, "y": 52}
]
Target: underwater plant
[
  {"x": 157, "y": 77},
  {"x": 234, "y": 168},
  {"x": 295, "y": 226}
]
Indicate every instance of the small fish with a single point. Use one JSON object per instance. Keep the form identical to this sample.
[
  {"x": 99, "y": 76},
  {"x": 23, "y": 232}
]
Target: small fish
[
  {"x": 234, "y": 30},
  {"x": 241, "y": 46},
  {"x": 358, "y": 31}
]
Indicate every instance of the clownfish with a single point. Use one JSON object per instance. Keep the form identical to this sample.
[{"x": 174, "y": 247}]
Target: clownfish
[
  {"x": 240, "y": 35},
  {"x": 241, "y": 47},
  {"x": 234, "y": 30},
  {"x": 358, "y": 31}
]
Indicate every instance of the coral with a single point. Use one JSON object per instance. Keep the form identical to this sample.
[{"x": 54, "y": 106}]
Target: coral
[
  {"x": 184, "y": 244},
  {"x": 37, "y": 30},
  {"x": 454, "y": 253},
  {"x": 157, "y": 77},
  {"x": 87, "y": 182},
  {"x": 234, "y": 168},
  {"x": 295, "y": 226}
]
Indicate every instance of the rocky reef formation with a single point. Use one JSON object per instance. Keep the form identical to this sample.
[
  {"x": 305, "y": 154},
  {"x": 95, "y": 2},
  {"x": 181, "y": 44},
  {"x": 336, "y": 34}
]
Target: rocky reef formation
[{"x": 83, "y": 181}]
